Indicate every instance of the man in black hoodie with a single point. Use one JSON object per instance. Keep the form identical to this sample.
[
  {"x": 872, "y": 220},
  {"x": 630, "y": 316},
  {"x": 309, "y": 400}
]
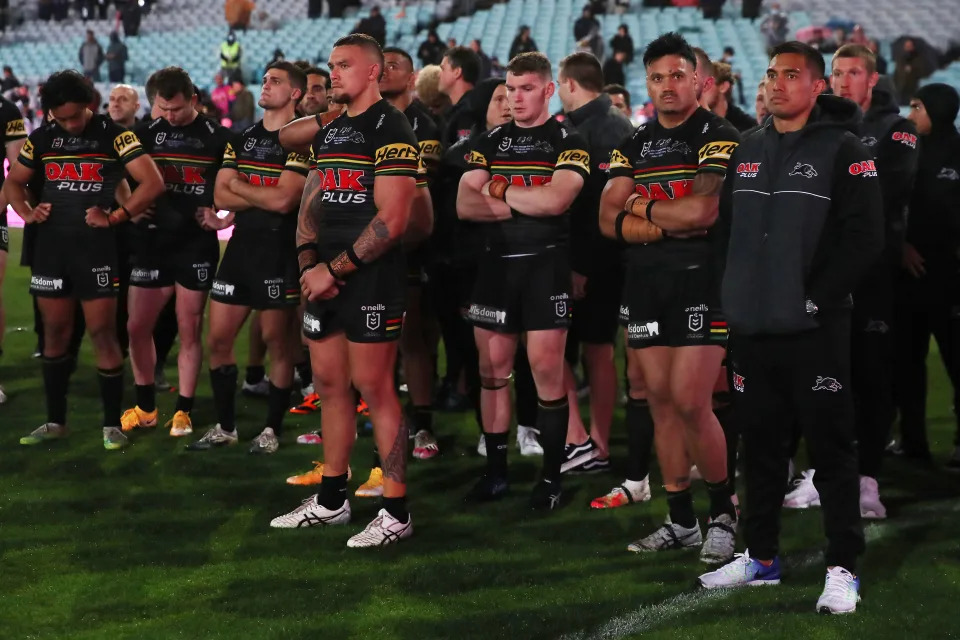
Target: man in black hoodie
[
  {"x": 802, "y": 201},
  {"x": 927, "y": 296},
  {"x": 892, "y": 140}
]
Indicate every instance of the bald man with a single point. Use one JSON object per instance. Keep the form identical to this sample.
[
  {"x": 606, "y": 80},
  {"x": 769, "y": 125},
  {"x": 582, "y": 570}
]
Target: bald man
[{"x": 124, "y": 105}]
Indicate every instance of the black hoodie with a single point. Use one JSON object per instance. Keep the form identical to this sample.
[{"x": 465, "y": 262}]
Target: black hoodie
[
  {"x": 933, "y": 223},
  {"x": 803, "y": 213}
]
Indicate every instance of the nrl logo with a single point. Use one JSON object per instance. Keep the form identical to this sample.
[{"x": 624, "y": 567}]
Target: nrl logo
[{"x": 161, "y": 137}]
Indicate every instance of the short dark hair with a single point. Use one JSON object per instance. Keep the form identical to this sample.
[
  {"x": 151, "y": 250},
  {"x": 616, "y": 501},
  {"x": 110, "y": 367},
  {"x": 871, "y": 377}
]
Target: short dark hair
[
  {"x": 858, "y": 51},
  {"x": 669, "y": 44},
  {"x": 813, "y": 57},
  {"x": 465, "y": 59},
  {"x": 294, "y": 73},
  {"x": 7, "y": 67},
  {"x": 170, "y": 82},
  {"x": 364, "y": 41},
  {"x": 730, "y": 50},
  {"x": 317, "y": 71},
  {"x": 704, "y": 64},
  {"x": 585, "y": 69},
  {"x": 530, "y": 62},
  {"x": 400, "y": 52},
  {"x": 65, "y": 87},
  {"x": 613, "y": 89}
]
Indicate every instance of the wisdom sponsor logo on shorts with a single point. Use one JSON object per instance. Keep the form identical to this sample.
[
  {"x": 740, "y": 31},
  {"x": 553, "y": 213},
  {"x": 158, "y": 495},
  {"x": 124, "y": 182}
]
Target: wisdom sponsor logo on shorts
[
  {"x": 311, "y": 323},
  {"x": 144, "y": 275},
  {"x": 41, "y": 283},
  {"x": 223, "y": 289},
  {"x": 643, "y": 330},
  {"x": 481, "y": 313}
]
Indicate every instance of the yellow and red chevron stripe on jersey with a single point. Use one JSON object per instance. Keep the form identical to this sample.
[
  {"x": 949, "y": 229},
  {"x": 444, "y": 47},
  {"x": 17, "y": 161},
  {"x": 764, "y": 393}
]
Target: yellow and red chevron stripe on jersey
[{"x": 667, "y": 171}]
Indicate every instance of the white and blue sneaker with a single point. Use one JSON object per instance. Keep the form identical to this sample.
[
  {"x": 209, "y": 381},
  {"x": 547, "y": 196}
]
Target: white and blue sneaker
[
  {"x": 742, "y": 571},
  {"x": 841, "y": 592}
]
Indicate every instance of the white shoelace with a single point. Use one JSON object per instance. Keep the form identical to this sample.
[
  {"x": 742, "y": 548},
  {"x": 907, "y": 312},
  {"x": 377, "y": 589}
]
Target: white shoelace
[{"x": 839, "y": 584}]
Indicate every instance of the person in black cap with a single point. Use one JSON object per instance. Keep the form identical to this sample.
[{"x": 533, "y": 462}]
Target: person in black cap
[{"x": 928, "y": 299}]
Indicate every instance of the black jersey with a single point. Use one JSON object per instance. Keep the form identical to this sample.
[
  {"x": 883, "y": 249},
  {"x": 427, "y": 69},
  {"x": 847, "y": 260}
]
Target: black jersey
[
  {"x": 663, "y": 164},
  {"x": 79, "y": 171},
  {"x": 188, "y": 158},
  {"x": 529, "y": 156},
  {"x": 428, "y": 142},
  {"x": 350, "y": 152},
  {"x": 260, "y": 159},
  {"x": 11, "y": 124}
]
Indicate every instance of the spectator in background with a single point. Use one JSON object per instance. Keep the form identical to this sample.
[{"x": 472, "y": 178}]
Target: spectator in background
[
  {"x": 374, "y": 26},
  {"x": 431, "y": 50},
  {"x": 727, "y": 58},
  {"x": 622, "y": 42},
  {"x": 128, "y": 15},
  {"x": 221, "y": 96},
  {"x": 522, "y": 43},
  {"x": 613, "y": 69},
  {"x": 712, "y": 9},
  {"x": 451, "y": 43},
  {"x": 230, "y": 55},
  {"x": 497, "y": 70},
  {"x": 620, "y": 98},
  {"x": 427, "y": 87},
  {"x": 593, "y": 44},
  {"x": 91, "y": 57},
  {"x": 750, "y": 9},
  {"x": 242, "y": 106},
  {"x": 116, "y": 58},
  {"x": 123, "y": 105},
  {"x": 277, "y": 56},
  {"x": 237, "y": 13},
  {"x": 584, "y": 25},
  {"x": 882, "y": 64},
  {"x": 261, "y": 21},
  {"x": 774, "y": 26},
  {"x": 909, "y": 70},
  {"x": 485, "y": 65},
  {"x": 9, "y": 80}
]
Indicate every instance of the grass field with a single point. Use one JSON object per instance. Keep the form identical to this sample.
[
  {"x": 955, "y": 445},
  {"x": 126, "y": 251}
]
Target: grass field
[{"x": 157, "y": 542}]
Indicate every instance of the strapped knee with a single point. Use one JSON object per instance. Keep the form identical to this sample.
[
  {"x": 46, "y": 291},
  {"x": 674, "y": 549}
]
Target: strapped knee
[{"x": 493, "y": 384}]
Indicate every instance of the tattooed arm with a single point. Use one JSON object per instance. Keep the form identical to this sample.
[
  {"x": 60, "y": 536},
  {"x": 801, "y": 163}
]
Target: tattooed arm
[
  {"x": 307, "y": 219},
  {"x": 393, "y": 196},
  {"x": 692, "y": 212}
]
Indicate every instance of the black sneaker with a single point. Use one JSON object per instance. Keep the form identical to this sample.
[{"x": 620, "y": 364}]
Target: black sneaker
[
  {"x": 546, "y": 495},
  {"x": 488, "y": 489},
  {"x": 576, "y": 455},
  {"x": 597, "y": 465}
]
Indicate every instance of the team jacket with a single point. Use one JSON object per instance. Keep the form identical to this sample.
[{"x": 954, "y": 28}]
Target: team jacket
[
  {"x": 933, "y": 225},
  {"x": 804, "y": 216}
]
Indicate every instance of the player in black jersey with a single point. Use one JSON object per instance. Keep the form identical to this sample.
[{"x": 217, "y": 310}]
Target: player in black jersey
[
  {"x": 523, "y": 178},
  {"x": 419, "y": 339},
  {"x": 666, "y": 179},
  {"x": 262, "y": 184},
  {"x": 177, "y": 250},
  {"x": 14, "y": 135},
  {"x": 83, "y": 157},
  {"x": 314, "y": 101},
  {"x": 354, "y": 214}
]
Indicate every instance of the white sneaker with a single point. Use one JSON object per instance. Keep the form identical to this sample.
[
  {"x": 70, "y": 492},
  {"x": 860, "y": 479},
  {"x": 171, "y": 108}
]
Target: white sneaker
[
  {"x": 382, "y": 530},
  {"x": 841, "y": 592},
  {"x": 265, "y": 443},
  {"x": 311, "y": 514},
  {"x": 804, "y": 495},
  {"x": 527, "y": 441},
  {"x": 742, "y": 571},
  {"x": 668, "y": 537},
  {"x": 482, "y": 446},
  {"x": 870, "y": 505},
  {"x": 720, "y": 539},
  {"x": 259, "y": 389}
]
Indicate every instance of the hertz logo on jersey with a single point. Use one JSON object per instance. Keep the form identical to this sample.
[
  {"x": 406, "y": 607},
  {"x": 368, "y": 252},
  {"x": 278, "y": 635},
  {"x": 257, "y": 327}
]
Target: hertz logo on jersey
[
  {"x": 575, "y": 158},
  {"x": 477, "y": 158},
  {"x": 619, "y": 161},
  {"x": 27, "y": 150},
  {"x": 430, "y": 150},
  {"x": 397, "y": 151},
  {"x": 125, "y": 143},
  {"x": 717, "y": 150},
  {"x": 229, "y": 155},
  {"x": 297, "y": 160},
  {"x": 15, "y": 128}
]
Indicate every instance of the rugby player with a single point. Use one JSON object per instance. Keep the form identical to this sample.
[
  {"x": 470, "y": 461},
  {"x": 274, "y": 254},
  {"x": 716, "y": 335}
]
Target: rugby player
[{"x": 14, "y": 134}]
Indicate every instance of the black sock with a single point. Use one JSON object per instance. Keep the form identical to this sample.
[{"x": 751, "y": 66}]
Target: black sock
[
  {"x": 278, "y": 402},
  {"x": 639, "y": 439},
  {"x": 681, "y": 508},
  {"x": 496, "y": 454},
  {"x": 255, "y": 374},
  {"x": 720, "y": 502},
  {"x": 732, "y": 436},
  {"x": 552, "y": 418},
  {"x": 396, "y": 507},
  {"x": 146, "y": 397},
  {"x": 223, "y": 381},
  {"x": 376, "y": 459},
  {"x": 184, "y": 404},
  {"x": 111, "y": 395},
  {"x": 56, "y": 379},
  {"x": 306, "y": 372},
  {"x": 333, "y": 491},
  {"x": 422, "y": 419}
]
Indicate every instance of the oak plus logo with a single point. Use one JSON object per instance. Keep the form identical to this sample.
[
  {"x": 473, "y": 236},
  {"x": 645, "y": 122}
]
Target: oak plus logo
[
  {"x": 748, "y": 169},
  {"x": 342, "y": 186},
  {"x": 866, "y": 168},
  {"x": 75, "y": 176}
]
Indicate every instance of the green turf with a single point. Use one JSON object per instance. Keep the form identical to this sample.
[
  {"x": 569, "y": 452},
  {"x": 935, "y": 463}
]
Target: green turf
[{"x": 157, "y": 542}]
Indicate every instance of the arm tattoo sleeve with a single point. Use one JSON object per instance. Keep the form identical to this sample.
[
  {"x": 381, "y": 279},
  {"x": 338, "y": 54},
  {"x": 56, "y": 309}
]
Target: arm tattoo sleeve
[
  {"x": 374, "y": 241},
  {"x": 708, "y": 184},
  {"x": 395, "y": 464},
  {"x": 308, "y": 220}
]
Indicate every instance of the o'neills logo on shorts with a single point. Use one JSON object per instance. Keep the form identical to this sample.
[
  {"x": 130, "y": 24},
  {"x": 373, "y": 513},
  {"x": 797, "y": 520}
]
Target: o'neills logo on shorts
[
  {"x": 46, "y": 284},
  {"x": 481, "y": 313}
]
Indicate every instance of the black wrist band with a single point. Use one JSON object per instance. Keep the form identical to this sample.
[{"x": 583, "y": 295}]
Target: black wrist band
[
  {"x": 619, "y": 225},
  {"x": 353, "y": 257},
  {"x": 650, "y": 210},
  {"x": 303, "y": 270}
]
